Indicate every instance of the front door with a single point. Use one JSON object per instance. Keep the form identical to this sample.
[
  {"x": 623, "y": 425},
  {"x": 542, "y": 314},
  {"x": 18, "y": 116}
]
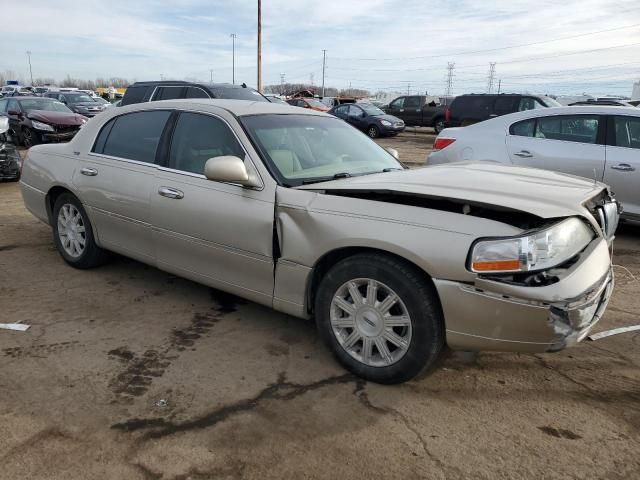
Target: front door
[
  {"x": 564, "y": 143},
  {"x": 114, "y": 181},
  {"x": 215, "y": 233},
  {"x": 412, "y": 110},
  {"x": 622, "y": 170}
]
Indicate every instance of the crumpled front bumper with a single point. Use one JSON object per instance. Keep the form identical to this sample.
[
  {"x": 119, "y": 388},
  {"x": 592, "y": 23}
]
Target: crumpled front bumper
[{"x": 490, "y": 315}]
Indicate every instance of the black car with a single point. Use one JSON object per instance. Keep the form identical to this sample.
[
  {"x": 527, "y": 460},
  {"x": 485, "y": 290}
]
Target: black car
[
  {"x": 368, "y": 118},
  {"x": 473, "y": 108},
  {"x": 603, "y": 101},
  {"x": 9, "y": 158},
  {"x": 78, "y": 102},
  {"x": 141, "y": 92}
]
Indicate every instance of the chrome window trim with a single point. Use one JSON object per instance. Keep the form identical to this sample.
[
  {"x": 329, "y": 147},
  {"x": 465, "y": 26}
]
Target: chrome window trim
[{"x": 121, "y": 159}]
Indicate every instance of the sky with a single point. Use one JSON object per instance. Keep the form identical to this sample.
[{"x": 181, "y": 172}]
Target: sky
[{"x": 568, "y": 47}]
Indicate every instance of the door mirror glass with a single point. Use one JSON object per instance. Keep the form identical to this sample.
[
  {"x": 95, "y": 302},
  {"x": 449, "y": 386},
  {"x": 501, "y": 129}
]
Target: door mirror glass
[
  {"x": 4, "y": 125},
  {"x": 394, "y": 153},
  {"x": 229, "y": 169}
]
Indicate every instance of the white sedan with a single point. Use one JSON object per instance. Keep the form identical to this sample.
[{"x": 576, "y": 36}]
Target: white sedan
[{"x": 597, "y": 142}]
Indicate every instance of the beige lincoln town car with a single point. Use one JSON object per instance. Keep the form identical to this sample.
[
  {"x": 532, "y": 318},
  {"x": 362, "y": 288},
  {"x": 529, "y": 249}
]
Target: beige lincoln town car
[{"x": 301, "y": 212}]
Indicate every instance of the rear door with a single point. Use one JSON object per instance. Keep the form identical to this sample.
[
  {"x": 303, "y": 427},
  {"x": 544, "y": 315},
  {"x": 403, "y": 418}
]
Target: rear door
[
  {"x": 114, "y": 181},
  {"x": 622, "y": 170},
  {"x": 564, "y": 143},
  {"x": 216, "y": 233}
]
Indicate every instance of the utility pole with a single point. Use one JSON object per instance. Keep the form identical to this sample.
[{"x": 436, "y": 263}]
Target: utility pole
[
  {"x": 260, "y": 46},
  {"x": 499, "y": 85},
  {"x": 282, "y": 84},
  {"x": 30, "y": 72},
  {"x": 233, "y": 58},
  {"x": 324, "y": 64},
  {"x": 450, "y": 67},
  {"x": 408, "y": 87},
  {"x": 311, "y": 78},
  {"x": 492, "y": 77},
  {"x": 211, "y": 78},
  {"x": 161, "y": 76}
]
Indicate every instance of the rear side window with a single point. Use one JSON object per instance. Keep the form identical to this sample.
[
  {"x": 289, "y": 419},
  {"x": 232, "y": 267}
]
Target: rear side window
[
  {"x": 568, "y": 128},
  {"x": 238, "y": 93},
  {"x": 627, "y": 131},
  {"x": 524, "y": 128},
  {"x": 504, "y": 105},
  {"x": 195, "y": 92},
  {"x": 134, "y": 95},
  {"x": 197, "y": 138},
  {"x": 412, "y": 102},
  {"x": 134, "y": 136},
  {"x": 168, "y": 93}
]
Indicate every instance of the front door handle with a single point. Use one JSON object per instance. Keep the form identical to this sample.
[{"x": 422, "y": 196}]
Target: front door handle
[
  {"x": 89, "y": 172},
  {"x": 524, "y": 154},
  {"x": 623, "y": 167},
  {"x": 170, "y": 193}
]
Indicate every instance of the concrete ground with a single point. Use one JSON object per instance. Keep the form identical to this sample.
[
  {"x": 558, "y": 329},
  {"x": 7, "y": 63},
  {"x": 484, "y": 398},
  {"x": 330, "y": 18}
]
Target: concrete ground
[{"x": 128, "y": 372}]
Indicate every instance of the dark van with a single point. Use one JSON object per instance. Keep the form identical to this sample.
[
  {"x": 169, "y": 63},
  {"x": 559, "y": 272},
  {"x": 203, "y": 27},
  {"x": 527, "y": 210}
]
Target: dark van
[{"x": 141, "y": 92}]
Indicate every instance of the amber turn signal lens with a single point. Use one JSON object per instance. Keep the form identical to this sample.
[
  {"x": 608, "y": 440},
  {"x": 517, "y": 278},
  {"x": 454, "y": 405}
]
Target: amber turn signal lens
[{"x": 501, "y": 265}]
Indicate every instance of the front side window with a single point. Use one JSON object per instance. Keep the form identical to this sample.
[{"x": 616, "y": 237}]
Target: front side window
[
  {"x": 197, "y": 138},
  {"x": 627, "y": 131},
  {"x": 529, "y": 103},
  {"x": 568, "y": 128},
  {"x": 195, "y": 92},
  {"x": 134, "y": 136},
  {"x": 504, "y": 105},
  {"x": 168, "y": 93},
  {"x": 307, "y": 149},
  {"x": 397, "y": 103}
]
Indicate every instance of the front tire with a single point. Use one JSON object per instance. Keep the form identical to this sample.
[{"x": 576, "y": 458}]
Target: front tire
[
  {"x": 373, "y": 131},
  {"x": 381, "y": 318},
  {"x": 29, "y": 137},
  {"x": 73, "y": 234}
]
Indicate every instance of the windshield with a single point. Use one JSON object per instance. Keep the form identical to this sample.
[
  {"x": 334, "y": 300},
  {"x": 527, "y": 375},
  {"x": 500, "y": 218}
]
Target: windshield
[
  {"x": 371, "y": 109},
  {"x": 41, "y": 90},
  {"x": 277, "y": 100},
  {"x": 78, "y": 98},
  {"x": 99, "y": 100},
  {"x": 550, "y": 102},
  {"x": 238, "y": 93},
  {"x": 43, "y": 104},
  {"x": 307, "y": 148}
]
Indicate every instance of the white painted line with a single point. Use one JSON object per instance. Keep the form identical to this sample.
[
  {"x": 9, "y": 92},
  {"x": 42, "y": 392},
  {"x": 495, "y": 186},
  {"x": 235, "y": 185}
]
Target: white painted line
[{"x": 615, "y": 331}]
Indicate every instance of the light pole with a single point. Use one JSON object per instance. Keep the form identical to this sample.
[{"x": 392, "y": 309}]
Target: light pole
[
  {"x": 30, "y": 72},
  {"x": 233, "y": 58},
  {"x": 211, "y": 79},
  {"x": 260, "y": 46}
]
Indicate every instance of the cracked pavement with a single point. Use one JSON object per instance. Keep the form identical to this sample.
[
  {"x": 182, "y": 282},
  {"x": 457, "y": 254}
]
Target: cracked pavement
[{"x": 129, "y": 372}]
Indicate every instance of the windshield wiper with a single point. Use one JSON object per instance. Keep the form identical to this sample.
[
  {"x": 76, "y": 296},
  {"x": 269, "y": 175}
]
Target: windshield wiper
[
  {"x": 393, "y": 169},
  {"x": 327, "y": 179}
]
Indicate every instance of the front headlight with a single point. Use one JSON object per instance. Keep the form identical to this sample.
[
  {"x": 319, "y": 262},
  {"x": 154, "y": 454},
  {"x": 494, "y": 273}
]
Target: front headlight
[
  {"x": 42, "y": 126},
  {"x": 386, "y": 123},
  {"x": 537, "y": 251}
]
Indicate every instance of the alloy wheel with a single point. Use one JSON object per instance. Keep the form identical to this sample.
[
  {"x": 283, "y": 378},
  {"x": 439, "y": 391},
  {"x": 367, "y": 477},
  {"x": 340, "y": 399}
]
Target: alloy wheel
[{"x": 371, "y": 322}]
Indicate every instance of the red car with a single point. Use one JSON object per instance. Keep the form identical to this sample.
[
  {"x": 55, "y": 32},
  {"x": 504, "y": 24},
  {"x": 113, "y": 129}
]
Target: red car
[
  {"x": 35, "y": 120},
  {"x": 311, "y": 103}
]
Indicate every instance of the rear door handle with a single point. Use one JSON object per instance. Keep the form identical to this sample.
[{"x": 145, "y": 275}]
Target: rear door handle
[
  {"x": 89, "y": 172},
  {"x": 524, "y": 154},
  {"x": 170, "y": 193},
  {"x": 623, "y": 167}
]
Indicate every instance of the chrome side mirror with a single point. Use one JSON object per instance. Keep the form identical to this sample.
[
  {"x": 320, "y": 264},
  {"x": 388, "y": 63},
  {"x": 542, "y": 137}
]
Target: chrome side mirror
[
  {"x": 230, "y": 169},
  {"x": 394, "y": 153}
]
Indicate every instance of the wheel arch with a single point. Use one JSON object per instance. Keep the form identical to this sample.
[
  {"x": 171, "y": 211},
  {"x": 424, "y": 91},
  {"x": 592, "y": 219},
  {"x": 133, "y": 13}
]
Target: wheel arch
[{"x": 332, "y": 257}]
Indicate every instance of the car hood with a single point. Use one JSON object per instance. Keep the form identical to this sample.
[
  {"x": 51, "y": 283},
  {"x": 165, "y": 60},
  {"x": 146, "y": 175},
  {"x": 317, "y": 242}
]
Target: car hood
[
  {"x": 56, "y": 118},
  {"x": 539, "y": 192}
]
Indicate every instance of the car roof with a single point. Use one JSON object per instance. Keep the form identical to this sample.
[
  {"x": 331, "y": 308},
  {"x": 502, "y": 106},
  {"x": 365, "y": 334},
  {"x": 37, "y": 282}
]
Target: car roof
[
  {"x": 181, "y": 83},
  {"x": 238, "y": 108}
]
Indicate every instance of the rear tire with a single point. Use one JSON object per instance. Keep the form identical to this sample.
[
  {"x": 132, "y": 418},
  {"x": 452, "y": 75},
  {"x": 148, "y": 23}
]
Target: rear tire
[
  {"x": 73, "y": 234},
  {"x": 381, "y": 317}
]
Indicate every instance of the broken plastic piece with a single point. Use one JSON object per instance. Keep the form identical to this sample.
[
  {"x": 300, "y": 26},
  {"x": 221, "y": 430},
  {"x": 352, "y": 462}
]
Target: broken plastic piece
[
  {"x": 21, "y": 327},
  {"x": 615, "y": 331}
]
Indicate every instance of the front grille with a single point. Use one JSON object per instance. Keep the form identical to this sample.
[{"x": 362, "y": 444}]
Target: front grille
[{"x": 66, "y": 128}]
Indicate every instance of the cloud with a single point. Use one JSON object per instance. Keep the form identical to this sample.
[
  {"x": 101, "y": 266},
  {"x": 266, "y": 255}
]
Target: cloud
[{"x": 376, "y": 44}]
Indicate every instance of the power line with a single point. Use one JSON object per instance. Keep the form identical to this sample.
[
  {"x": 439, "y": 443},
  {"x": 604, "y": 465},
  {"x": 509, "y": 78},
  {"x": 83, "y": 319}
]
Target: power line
[{"x": 470, "y": 52}]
